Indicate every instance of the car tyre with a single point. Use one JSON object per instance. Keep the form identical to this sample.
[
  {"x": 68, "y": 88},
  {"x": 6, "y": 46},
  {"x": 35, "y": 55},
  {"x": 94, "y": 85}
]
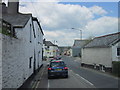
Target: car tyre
[
  {"x": 66, "y": 76},
  {"x": 49, "y": 77}
]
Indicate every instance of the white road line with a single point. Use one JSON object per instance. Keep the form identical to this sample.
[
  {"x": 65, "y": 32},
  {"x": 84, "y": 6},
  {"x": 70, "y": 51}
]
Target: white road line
[
  {"x": 85, "y": 79},
  {"x": 48, "y": 84}
]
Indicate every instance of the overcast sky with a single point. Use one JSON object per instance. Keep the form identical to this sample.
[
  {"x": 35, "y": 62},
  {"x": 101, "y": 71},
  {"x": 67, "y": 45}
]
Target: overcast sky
[{"x": 57, "y": 18}]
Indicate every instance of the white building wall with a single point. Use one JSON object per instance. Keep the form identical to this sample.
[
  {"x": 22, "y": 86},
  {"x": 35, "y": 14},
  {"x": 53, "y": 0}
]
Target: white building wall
[
  {"x": 38, "y": 45},
  {"x": 97, "y": 56},
  {"x": 52, "y": 51},
  {"x": 16, "y": 54},
  {"x": 0, "y": 62},
  {"x": 114, "y": 53}
]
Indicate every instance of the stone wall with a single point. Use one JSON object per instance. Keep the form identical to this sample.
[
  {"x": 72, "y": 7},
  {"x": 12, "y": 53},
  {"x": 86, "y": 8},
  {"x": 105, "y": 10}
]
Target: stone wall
[{"x": 17, "y": 66}]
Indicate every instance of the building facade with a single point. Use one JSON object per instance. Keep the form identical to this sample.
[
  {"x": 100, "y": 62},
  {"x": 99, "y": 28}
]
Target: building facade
[
  {"x": 76, "y": 48},
  {"x": 21, "y": 48},
  {"x": 50, "y": 49},
  {"x": 102, "y": 51}
]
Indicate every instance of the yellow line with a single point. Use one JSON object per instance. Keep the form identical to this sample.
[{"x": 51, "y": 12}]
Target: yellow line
[
  {"x": 38, "y": 82},
  {"x": 35, "y": 83}
]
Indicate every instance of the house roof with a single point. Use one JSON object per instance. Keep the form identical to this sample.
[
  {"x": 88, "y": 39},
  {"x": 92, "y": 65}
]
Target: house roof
[
  {"x": 17, "y": 20},
  {"x": 48, "y": 43},
  {"x": 104, "y": 41},
  {"x": 80, "y": 43}
]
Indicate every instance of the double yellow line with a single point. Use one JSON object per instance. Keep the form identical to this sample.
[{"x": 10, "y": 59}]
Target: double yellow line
[{"x": 35, "y": 85}]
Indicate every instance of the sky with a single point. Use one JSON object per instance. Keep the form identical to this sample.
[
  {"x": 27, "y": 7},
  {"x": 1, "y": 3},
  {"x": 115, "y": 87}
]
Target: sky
[{"x": 58, "y": 17}]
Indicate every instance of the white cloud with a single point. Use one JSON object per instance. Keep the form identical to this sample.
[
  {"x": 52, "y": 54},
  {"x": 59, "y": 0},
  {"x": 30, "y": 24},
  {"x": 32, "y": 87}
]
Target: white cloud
[
  {"x": 103, "y": 25},
  {"x": 98, "y": 10},
  {"x": 61, "y": 37},
  {"x": 55, "y": 18}
]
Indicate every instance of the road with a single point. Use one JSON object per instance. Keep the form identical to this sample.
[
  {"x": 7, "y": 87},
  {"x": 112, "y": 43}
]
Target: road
[{"x": 79, "y": 77}]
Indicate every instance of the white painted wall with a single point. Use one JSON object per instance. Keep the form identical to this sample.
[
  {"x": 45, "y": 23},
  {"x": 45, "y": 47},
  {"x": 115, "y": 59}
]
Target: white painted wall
[
  {"x": 114, "y": 53},
  {"x": 51, "y": 53},
  {"x": 38, "y": 44},
  {"x": 16, "y": 54},
  {"x": 0, "y": 61},
  {"x": 98, "y": 56}
]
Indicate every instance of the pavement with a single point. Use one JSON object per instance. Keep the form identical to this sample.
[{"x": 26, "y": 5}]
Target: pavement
[{"x": 34, "y": 78}]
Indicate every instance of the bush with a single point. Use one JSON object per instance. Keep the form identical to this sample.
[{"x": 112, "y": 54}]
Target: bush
[{"x": 116, "y": 68}]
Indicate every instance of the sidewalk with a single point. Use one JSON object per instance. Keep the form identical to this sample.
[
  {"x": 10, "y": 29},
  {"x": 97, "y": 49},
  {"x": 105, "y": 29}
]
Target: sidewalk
[{"x": 33, "y": 79}]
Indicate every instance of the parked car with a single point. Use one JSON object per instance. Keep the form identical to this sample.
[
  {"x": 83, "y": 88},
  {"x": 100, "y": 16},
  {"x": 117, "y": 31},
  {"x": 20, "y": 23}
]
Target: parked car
[
  {"x": 44, "y": 58},
  {"x": 57, "y": 68},
  {"x": 57, "y": 57}
]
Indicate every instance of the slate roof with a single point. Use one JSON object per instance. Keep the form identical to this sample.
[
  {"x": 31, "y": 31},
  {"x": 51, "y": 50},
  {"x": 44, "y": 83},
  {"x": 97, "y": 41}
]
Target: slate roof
[
  {"x": 17, "y": 20},
  {"x": 80, "y": 43},
  {"x": 104, "y": 41},
  {"x": 48, "y": 43}
]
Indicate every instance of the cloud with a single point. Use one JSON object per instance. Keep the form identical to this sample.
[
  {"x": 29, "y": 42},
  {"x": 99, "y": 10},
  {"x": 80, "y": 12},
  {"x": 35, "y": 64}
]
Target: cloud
[
  {"x": 57, "y": 19},
  {"x": 98, "y": 10},
  {"x": 62, "y": 37},
  {"x": 103, "y": 25},
  {"x": 58, "y": 16}
]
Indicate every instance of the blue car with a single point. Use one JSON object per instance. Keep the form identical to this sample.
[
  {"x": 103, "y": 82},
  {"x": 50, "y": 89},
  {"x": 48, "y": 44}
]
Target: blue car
[{"x": 57, "y": 68}]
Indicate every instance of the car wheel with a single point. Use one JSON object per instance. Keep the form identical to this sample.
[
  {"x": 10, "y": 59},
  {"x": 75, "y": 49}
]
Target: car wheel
[
  {"x": 49, "y": 77},
  {"x": 66, "y": 76}
]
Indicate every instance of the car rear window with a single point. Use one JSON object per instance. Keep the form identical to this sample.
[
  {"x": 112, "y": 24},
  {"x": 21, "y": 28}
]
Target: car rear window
[{"x": 57, "y": 64}]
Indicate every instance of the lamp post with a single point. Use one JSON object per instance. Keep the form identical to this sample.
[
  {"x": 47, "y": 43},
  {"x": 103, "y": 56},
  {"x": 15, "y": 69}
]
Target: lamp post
[
  {"x": 55, "y": 49},
  {"x": 80, "y": 32}
]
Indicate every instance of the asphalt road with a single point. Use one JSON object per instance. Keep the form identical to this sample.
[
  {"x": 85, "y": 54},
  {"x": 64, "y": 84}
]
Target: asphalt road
[
  {"x": 98, "y": 79},
  {"x": 78, "y": 77}
]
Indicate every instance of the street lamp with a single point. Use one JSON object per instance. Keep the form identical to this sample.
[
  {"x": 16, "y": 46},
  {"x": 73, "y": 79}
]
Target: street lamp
[{"x": 80, "y": 32}]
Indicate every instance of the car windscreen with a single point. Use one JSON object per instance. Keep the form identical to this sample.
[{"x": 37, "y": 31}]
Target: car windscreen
[{"x": 57, "y": 64}]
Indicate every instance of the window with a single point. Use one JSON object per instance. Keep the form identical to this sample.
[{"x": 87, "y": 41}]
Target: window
[
  {"x": 118, "y": 51},
  {"x": 30, "y": 33},
  {"x": 30, "y": 62}
]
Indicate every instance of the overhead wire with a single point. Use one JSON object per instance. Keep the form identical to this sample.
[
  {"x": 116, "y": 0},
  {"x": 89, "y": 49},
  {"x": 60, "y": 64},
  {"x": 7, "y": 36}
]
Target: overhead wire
[{"x": 34, "y": 9}]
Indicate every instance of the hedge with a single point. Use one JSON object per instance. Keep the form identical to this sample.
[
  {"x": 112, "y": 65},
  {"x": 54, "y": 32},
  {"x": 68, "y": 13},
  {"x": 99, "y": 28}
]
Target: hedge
[{"x": 116, "y": 68}]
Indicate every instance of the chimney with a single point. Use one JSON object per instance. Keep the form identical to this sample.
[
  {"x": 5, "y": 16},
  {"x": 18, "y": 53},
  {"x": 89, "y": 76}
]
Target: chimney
[
  {"x": 4, "y": 8},
  {"x": 13, "y": 6}
]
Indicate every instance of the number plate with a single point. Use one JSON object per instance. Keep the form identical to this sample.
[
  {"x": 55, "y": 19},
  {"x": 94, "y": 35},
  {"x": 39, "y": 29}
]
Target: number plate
[{"x": 59, "y": 69}]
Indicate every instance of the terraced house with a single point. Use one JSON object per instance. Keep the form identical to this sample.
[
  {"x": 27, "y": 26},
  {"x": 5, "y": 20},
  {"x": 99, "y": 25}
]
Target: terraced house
[
  {"x": 22, "y": 41},
  {"x": 50, "y": 49},
  {"x": 102, "y": 51}
]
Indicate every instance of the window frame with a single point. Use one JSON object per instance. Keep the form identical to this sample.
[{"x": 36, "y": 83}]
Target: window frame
[{"x": 118, "y": 51}]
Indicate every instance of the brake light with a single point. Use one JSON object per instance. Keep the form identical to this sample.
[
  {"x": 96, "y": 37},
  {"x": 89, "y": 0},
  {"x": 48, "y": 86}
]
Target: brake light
[
  {"x": 57, "y": 61},
  {"x": 65, "y": 67},
  {"x": 49, "y": 68}
]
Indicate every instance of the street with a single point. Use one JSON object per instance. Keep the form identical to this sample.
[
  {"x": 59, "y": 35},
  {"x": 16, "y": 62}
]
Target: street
[{"x": 79, "y": 77}]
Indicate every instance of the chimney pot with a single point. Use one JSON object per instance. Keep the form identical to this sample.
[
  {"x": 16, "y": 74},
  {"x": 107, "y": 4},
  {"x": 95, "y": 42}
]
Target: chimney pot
[{"x": 4, "y": 8}]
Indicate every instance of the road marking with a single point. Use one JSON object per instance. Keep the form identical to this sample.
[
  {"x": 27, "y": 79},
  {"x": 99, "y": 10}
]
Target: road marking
[
  {"x": 38, "y": 82},
  {"x": 48, "y": 84},
  {"x": 85, "y": 79}
]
